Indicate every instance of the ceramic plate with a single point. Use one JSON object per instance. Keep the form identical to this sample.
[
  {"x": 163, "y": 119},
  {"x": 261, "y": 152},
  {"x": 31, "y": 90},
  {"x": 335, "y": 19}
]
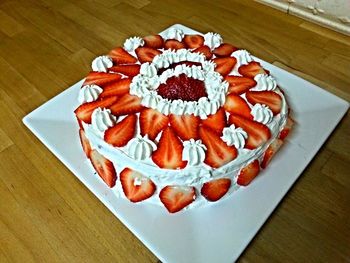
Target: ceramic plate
[{"x": 218, "y": 232}]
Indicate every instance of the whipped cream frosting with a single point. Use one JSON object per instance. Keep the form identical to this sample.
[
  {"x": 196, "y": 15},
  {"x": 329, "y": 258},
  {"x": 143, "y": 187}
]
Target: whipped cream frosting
[
  {"x": 234, "y": 136},
  {"x": 101, "y": 120},
  {"x": 212, "y": 40},
  {"x": 264, "y": 82},
  {"x": 175, "y": 33},
  {"x": 89, "y": 93},
  {"x": 102, "y": 64},
  {"x": 193, "y": 152},
  {"x": 262, "y": 113},
  {"x": 132, "y": 43},
  {"x": 141, "y": 148},
  {"x": 243, "y": 57}
]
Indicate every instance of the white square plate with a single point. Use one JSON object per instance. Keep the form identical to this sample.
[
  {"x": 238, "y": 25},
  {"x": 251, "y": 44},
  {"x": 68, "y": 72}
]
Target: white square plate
[{"x": 217, "y": 232}]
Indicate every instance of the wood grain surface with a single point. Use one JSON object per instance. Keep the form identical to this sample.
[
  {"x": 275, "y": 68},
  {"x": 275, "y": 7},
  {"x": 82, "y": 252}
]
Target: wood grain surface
[{"x": 47, "y": 215}]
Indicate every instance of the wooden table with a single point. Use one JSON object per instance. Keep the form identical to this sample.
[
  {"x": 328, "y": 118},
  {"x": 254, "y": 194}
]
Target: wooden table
[{"x": 47, "y": 215}]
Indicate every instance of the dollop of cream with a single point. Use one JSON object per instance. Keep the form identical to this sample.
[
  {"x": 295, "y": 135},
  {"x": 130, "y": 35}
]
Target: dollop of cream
[
  {"x": 212, "y": 40},
  {"x": 262, "y": 113},
  {"x": 101, "y": 120},
  {"x": 149, "y": 70},
  {"x": 89, "y": 93},
  {"x": 140, "y": 148},
  {"x": 175, "y": 33},
  {"x": 264, "y": 82},
  {"x": 234, "y": 136},
  {"x": 101, "y": 64},
  {"x": 243, "y": 57},
  {"x": 132, "y": 43},
  {"x": 193, "y": 152}
]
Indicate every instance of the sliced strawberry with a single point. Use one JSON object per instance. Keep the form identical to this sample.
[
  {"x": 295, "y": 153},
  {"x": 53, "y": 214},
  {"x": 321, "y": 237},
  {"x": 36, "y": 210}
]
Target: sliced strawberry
[
  {"x": 169, "y": 152},
  {"x": 239, "y": 85},
  {"x": 84, "y": 111},
  {"x": 218, "y": 153},
  {"x": 270, "y": 152},
  {"x": 136, "y": 186},
  {"x": 270, "y": 98},
  {"x": 251, "y": 69},
  {"x": 185, "y": 126},
  {"x": 248, "y": 173},
  {"x": 205, "y": 50},
  {"x": 175, "y": 198},
  {"x": 121, "y": 133},
  {"x": 146, "y": 54},
  {"x": 173, "y": 44},
  {"x": 85, "y": 143},
  {"x": 152, "y": 122},
  {"x": 104, "y": 168},
  {"x": 224, "y": 65},
  {"x": 215, "y": 189},
  {"x": 154, "y": 41},
  {"x": 237, "y": 105},
  {"x": 120, "y": 56},
  {"x": 128, "y": 70},
  {"x": 101, "y": 78},
  {"x": 284, "y": 133},
  {"x": 216, "y": 121},
  {"x": 193, "y": 41},
  {"x": 126, "y": 104},
  {"x": 224, "y": 50},
  {"x": 258, "y": 133},
  {"x": 117, "y": 88}
]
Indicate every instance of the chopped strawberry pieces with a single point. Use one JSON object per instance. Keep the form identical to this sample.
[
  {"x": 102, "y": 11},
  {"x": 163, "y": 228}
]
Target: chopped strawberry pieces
[
  {"x": 284, "y": 133},
  {"x": 258, "y": 133},
  {"x": 117, "y": 88},
  {"x": 185, "y": 126},
  {"x": 237, "y": 105},
  {"x": 270, "y": 152},
  {"x": 146, "y": 54},
  {"x": 101, "y": 78},
  {"x": 239, "y": 85},
  {"x": 104, "y": 168},
  {"x": 215, "y": 189},
  {"x": 173, "y": 44},
  {"x": 251, "y": 69},
  {"x": 218, "y": 152},
  {"x": 121, "y": 133},
  {"x": 121, "y": 56},
  {"x": 154, "y": 41},
  {"x": 224, "y": 65},
  {"x": 128, "y": 70},
  {"x": 224, "y": 50},
  {"x": 217, "y": 121},
  {"x": 169, "y": 152},
  {"x": 205, "y": 50},
  {"x": 136, "y": 186},
  {"x": 152, "y": 122},
  {"x": 126, "y": 104},
  {"x": 193, "y": 41},
  {"x": 84, "y": 111},
  {"x": 248, "y": 173},
  {"x": 175, "y": 198},
  {"x": 269, "y": 98},
  {"x": 85, "y": 143}
]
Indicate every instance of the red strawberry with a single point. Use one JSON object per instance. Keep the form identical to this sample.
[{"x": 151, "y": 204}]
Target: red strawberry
[
  {"x": 284, "y": 133},
  {"x": 169, "y": 152},
  {"x": 146, "y": 54},
  {"x": 269, "y": 98},
  {"x": 218, "y": 153},
  {"x": 116, "y": 88},
  {"x": 239, "y": 85},
  {"x": 193, "y": 41},
  {"x": 224, "y": 65},
  {"x": 104, "y": 168},
  {"x": 128, "y": 70},
  {"x": 185, "y": 126},
  {"x": 236, "y": 104},
  {"x": 126, "y": 104},
  {"x": 205, "y": 50},
  {"x": 258, "y": 133},
  {"x": 121, "y": 133},
  {"x": 121, "y": 56},
  {"x": 173, "y": 44},
  {"x": 101, "y": 78},
  {"x": 154, "y": 41},
  {"x": 215, "y": 189},
  {"x": 84, "y": 111},
  {"x": 251, "y": 69},
  {"x": 85, "y": 142},
  {"x": 152, "y": 122},
  {"x": 224, "y": 50},
  {"x": 175, "y": 198},
  {"x": 248, "y": 173},
  {"x": 270, "y": 152},
  {"x": 216, "y": 121},
  {"x": 136, "y": 186}
]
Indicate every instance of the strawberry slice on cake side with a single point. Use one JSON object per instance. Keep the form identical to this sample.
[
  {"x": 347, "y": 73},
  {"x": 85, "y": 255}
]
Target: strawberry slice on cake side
[
  {"x": 176, "y": 198},
  {"x": 215, "y": 189},
  {"x": 104, "y": 168}
]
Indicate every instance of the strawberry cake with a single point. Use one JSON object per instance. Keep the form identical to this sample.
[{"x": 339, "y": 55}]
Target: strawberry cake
[{"x": 180, "y": 120}]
